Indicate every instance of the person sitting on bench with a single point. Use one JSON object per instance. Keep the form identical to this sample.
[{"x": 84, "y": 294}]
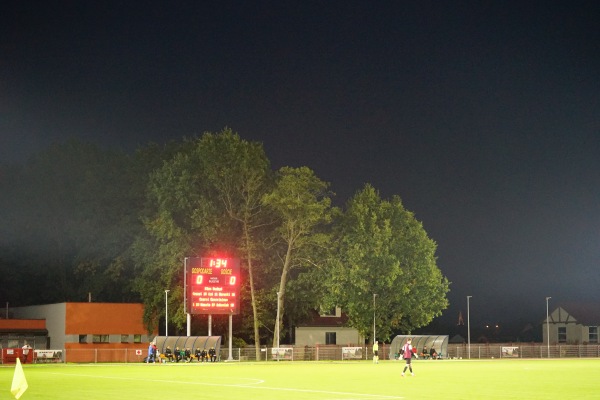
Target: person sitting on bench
[
  {"x": 212, "y": 354},
  {"x": 169, "y": 354},
  {"x": 433, "y": 354},
  {"x": 425, "y": 353}
]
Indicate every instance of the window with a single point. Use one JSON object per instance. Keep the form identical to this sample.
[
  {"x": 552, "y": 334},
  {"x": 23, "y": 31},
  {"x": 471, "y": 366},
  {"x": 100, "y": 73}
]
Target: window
[
  {"x": 100, "y": 339},
  {"x": 327, "y": 312},
  {"x": 124, "y": 338},
  {"x": 330, "y": 338},
  {"x": 82, "y": 338},
  {"x": 593, "y": 334},
  {"x": 330, "y": 312},
  {"x": 137, "y": 338},
  {"x": 562, "y": 334}
]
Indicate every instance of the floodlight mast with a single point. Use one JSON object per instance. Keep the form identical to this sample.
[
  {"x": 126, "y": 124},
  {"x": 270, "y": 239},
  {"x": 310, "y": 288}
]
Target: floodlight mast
[
  {"x": 167, "y": 312},
  {"x": 469, "y": 326},
  {"x": 277, "y": 326},
  {"x": 548, "y": 325},
  {"x": 187, "y": 307},
  {"x": 374, "y": 336}
]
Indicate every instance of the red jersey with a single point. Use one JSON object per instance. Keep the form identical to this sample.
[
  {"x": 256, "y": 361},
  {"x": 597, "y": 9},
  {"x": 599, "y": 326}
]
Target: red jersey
[{"x": 407, "y": 351}]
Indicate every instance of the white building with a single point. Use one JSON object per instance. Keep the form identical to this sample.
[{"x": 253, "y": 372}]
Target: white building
[
  {"x": 328, "y": 328},
  {"x": 565, "y": 328}
]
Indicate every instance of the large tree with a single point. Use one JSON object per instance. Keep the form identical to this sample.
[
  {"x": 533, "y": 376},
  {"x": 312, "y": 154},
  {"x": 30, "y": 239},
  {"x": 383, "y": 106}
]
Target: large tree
[
  {"x": 383, "y": 251},
  {"x": 204, "y": 201},
  {"x": 181, "y": 220},
  {"x": 302, "y": 205},
  {"x": 240, "y": 173}
]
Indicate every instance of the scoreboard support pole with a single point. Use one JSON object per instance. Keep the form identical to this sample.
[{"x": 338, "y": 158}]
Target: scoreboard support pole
[
  {"x": 230, "y": 337},
  {"x": 209, "y": 324},
  {"x": 189, "y": 324}
]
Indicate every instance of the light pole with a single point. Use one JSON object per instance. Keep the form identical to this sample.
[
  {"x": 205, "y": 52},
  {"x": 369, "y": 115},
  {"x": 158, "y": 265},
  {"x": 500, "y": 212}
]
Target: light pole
[
  {"x": 548, "y": 325},
  {"x": 469, "y": 326},
  {"x": 277, "y": 327},
  {"x": 167, "y": 312},
  {"x": 374, "y": 295}
]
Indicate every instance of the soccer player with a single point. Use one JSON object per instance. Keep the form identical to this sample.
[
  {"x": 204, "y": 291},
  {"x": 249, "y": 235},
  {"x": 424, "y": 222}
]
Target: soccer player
[
  {"x": 407, "y": 353},
  {"x": 376, "y": 352}
]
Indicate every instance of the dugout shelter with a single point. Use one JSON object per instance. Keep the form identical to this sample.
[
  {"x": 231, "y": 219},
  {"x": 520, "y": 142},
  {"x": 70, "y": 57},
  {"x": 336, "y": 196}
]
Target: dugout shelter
[
  {"x": 185, "y": 342},
  {"x": 438, "y": 342}
]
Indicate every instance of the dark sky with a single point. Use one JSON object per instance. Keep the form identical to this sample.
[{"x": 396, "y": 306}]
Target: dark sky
[{"x": 484, "y": 116}]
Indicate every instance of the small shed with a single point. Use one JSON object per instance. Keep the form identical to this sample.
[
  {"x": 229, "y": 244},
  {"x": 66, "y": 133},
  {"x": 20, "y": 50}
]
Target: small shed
[{"x": 438, "y": 342}]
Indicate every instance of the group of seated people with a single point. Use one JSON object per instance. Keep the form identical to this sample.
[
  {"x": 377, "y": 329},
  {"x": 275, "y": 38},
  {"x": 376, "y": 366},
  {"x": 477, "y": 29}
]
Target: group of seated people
[
  {"x": 425, "y": 354},
  {"x": 429, "y": 354},
  {"x": 185, "y": 355}
]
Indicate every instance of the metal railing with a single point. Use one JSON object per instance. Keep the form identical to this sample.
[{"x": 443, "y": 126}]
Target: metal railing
[
  {"x": 523, "y": 350},
  {"x": 334, "y": 353}
]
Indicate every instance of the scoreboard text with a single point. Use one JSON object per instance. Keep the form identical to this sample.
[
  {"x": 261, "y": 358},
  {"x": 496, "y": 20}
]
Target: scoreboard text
[{"x": 213, "y": 285}]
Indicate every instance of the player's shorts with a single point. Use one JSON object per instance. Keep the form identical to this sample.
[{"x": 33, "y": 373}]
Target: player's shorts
[{"x": 376, "y": 353}]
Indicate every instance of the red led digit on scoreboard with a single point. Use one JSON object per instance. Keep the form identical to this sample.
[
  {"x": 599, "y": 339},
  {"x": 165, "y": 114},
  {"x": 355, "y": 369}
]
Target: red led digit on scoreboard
[{"x": 218, "y": 262}]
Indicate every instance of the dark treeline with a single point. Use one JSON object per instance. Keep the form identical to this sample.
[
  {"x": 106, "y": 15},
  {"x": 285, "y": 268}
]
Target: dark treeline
[{"x": 80, "y": 221}]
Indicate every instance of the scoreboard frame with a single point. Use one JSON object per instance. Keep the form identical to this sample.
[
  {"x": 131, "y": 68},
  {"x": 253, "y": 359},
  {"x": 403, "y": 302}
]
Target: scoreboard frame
[{"x": 212, "y": 285}]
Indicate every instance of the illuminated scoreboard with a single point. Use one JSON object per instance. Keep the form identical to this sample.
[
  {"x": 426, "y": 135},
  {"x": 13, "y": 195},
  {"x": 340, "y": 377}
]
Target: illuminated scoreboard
[{"x": 212, "y": 285}]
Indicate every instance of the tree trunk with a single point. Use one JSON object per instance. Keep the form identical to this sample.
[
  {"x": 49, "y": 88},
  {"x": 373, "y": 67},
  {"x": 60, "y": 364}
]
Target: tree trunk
[
  {"x": 252, "y": 295},
  {"x": 281, "y": 295}
]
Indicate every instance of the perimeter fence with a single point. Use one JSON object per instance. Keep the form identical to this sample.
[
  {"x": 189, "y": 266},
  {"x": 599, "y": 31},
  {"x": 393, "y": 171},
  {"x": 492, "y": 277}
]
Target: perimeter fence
[
  {"x": 522, "y": 350},
  {"x": 339, "y": 353}
]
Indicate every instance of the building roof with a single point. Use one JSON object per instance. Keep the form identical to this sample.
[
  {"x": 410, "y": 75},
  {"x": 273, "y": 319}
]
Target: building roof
[
  {"x": 23, "y": 326},
  {"x": 585, "y": 314},
  {"x": 320, "y": 321}
]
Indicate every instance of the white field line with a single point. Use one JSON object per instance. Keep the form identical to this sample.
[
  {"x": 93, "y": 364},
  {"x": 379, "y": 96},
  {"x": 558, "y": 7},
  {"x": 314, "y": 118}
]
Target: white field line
[{"x": 249, "y": 385}]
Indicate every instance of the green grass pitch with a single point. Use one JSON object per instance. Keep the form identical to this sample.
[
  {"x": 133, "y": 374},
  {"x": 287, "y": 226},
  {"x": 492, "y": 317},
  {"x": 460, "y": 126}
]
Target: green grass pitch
[{"x": 342, "y": 380}]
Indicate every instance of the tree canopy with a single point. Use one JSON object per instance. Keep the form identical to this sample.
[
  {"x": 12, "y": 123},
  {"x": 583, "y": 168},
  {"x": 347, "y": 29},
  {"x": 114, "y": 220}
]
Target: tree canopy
[
  {"x": 85, "y": 221},
  {"x": 383, "y": 270},
  {"x": 301, "y": 205}
]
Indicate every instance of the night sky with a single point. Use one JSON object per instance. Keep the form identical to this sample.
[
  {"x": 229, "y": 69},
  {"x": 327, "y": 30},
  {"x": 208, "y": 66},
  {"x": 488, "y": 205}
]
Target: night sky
[{"x": 484, "y": 116}]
